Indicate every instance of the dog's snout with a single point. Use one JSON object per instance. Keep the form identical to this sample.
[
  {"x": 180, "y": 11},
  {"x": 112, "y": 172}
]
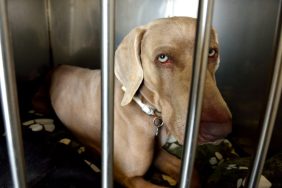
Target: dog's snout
[
  {"x": 216, "y": 123},
  {"x": 211, "y": 131},
  {"x": 216, "y": 118}
]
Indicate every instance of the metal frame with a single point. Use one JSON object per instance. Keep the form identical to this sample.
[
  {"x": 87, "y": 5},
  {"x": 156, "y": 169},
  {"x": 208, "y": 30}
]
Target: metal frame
[
  {"x": 108, "y": 41},
  {"x": 205, "y": 12},
  {"x": 10, "y": 102},
  {"x": 269, "y": 118},
  {"x": 11, "y": 110}
]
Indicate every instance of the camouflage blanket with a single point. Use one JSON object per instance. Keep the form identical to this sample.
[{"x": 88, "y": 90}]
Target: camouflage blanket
[{"x": 220, "y": 166}]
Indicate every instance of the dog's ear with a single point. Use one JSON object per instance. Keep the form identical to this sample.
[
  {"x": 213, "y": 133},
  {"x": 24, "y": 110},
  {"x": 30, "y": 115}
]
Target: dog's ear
[{"x": 128, "y": 68}]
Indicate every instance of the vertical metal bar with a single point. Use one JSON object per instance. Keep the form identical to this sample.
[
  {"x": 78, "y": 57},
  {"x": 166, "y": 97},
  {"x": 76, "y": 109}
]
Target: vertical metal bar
[
  {"x": 205, "y": 12},
  {"x": 10, "y": 102},
  {"x": 269, "y": 118},
  {"x": 108, "y": 27}
]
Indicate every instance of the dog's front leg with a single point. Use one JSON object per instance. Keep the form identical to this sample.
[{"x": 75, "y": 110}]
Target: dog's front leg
[
  {"x": 167, "y": 163},
  {"x": 140, "y": 182},
  {"x": 171, "y": 166}
]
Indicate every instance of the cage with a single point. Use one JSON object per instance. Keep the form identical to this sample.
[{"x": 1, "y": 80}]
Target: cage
[{"x": 47, "y": 33}]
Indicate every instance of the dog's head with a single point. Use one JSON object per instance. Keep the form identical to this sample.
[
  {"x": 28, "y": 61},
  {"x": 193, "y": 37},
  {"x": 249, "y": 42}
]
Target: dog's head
[{"x": 156, "y": 59}]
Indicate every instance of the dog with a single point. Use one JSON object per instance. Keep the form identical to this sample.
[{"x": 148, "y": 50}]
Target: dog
[{"x": 153, "y": 66}]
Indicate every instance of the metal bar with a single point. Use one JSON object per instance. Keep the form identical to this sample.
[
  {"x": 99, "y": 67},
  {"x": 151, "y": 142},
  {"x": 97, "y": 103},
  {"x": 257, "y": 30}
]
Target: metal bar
[
  {"x": 10, "y": 102},
  {"x": 269, "y": 118},
  {"x": 108, "y": 39},
  {"x": 205, "y": 12}
]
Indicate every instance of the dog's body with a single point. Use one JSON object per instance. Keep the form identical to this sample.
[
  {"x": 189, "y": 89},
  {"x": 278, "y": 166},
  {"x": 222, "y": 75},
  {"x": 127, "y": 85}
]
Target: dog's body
[{"x": 154, "y": 61}]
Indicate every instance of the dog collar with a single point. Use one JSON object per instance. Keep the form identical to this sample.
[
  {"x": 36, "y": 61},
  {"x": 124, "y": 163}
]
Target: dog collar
[{"x": 149, "y": 110}]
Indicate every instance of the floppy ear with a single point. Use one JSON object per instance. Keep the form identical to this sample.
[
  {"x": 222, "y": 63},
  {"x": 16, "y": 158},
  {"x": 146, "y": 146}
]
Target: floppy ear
[{"x": 128, "y": 68}]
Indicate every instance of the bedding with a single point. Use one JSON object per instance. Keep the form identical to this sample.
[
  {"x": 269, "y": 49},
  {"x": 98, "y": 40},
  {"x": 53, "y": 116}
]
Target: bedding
[{"x": 54, "y": 158}]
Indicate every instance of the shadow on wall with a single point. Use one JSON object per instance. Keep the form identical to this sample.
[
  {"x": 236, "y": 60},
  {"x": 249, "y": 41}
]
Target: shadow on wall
[
  {"x": 246, "y": 31},
  {"x": 28, "y": 25}
]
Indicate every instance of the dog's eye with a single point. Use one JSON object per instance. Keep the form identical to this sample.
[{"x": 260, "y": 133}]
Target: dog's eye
[
  {"x": 212, "y": 52},
  {"x": 162, "y": 58}
]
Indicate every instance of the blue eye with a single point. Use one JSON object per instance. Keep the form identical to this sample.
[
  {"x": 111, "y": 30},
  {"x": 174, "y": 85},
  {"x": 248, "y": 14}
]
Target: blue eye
[
  {"x": 163, "y": 58},
  {"x": 212, "y": 52}
]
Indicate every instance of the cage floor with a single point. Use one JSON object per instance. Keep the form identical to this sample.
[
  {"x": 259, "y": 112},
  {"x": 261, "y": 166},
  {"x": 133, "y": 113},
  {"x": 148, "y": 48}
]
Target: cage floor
[{"x": 54, "y": 158}]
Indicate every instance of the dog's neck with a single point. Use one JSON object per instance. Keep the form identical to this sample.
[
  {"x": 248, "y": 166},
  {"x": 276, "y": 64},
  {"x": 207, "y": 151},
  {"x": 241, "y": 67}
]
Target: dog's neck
[{"x": 149, "y": 110}]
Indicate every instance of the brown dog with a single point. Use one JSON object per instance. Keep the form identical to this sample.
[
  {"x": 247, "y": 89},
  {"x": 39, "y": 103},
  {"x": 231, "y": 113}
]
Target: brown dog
[{"x": 153, "y": 61}]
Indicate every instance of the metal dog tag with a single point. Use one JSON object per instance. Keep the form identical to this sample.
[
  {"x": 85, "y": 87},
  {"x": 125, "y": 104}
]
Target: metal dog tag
[{"x": 158, "y": 123}]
